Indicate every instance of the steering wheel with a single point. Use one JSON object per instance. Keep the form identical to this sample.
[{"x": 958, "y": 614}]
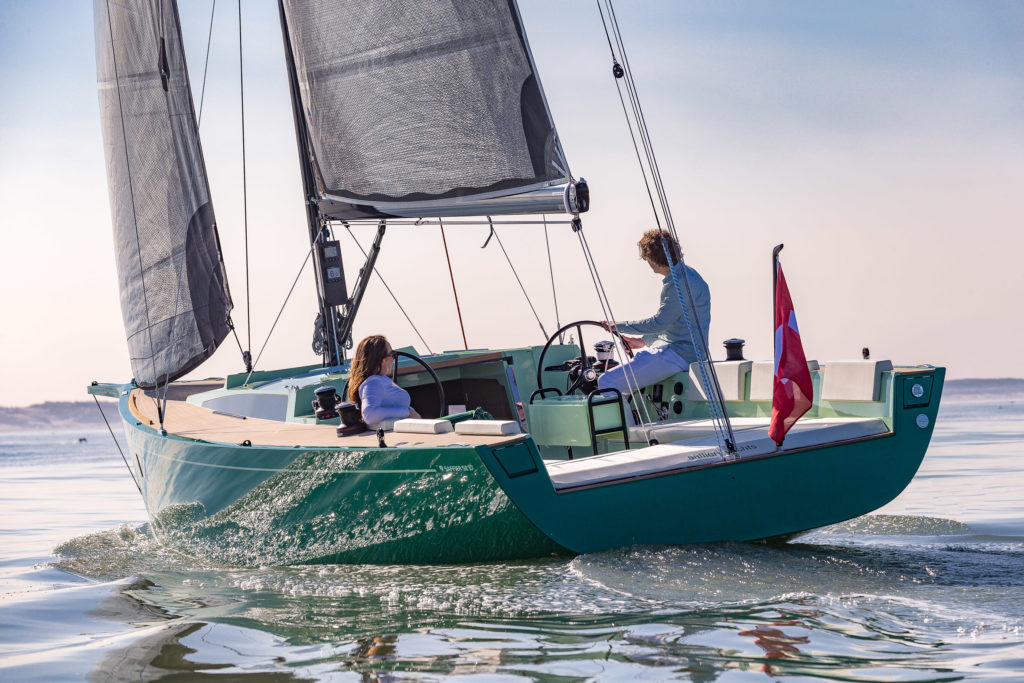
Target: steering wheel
[
  {"x": 583, "y": 350},
  {"x": 433, "y": 375}
]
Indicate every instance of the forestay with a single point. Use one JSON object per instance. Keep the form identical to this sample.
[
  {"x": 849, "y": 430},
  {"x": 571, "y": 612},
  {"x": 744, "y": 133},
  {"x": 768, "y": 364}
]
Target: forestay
[
  {"x": 174, "y": 295},
  {"x": 422, "y": 108}
]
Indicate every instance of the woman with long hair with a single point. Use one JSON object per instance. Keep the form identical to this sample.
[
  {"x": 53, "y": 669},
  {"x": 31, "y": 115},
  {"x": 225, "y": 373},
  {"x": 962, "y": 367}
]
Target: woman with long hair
[{"x": 370, "y": 386}]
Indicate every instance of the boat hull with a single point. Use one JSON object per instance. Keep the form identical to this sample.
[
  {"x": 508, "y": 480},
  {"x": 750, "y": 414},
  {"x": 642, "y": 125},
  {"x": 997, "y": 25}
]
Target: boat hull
[
  {"x": 780, "y": 494},
  {"x": 253, "y": 505}
]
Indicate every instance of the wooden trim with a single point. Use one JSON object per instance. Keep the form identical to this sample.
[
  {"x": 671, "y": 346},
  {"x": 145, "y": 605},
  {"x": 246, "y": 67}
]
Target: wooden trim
[
  {"x": 454, "y": 363},
  {"x": 190, "y": 421}
]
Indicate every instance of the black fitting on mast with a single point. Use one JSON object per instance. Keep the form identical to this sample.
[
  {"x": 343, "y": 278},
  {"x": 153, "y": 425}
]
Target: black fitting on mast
[
  {"x": 359, "y": 289},
  {"x": 332, "y": 352}
]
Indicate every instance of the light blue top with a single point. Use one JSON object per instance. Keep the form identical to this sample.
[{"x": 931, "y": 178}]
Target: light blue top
[
  {"x": 667, "y": 327},
  {"x": 381, "y": 399}
]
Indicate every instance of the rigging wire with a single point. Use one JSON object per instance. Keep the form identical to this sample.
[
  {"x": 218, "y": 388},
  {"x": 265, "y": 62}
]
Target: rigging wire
[
  {"x": 495, "y": 234},
  {"x": 206, "y": 63},
  {"x": 131, "y": 192},
  {"x": 188, "y": 212},
  {"x": 709, "y": 377},
  {"x": 279, "y": 312},
  {"x": 109, "y": 429},
  {"x": 606, "y": 310},
  {"x": 719, "y": 415},
  {"x": 551, "y": 271},
  {"x": 245, "y": 196},
  {"x": 632, "y": 133},
  {"x": 458, "y": 309},
  {"x": 397, "y": 303}
]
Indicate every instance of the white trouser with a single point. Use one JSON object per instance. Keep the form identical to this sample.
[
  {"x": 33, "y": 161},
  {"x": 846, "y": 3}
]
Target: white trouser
[{"x": 647, "y": 367}]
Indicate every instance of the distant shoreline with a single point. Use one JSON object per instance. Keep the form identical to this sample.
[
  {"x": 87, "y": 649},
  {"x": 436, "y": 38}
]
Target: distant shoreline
[
  {"x": 71, "y": 415},
  {"x": 58, "y": 415}
]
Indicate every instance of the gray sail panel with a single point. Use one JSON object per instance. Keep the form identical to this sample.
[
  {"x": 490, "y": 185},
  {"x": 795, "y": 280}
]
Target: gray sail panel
[
  {"x": 409, "y": 103},
  {"x": 174, "y": 295}
]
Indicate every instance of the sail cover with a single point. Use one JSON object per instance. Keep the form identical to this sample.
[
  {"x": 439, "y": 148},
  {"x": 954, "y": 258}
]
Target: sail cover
[
  {"x": 174, "y": 295},
  {"x": 413, "y": 108}
]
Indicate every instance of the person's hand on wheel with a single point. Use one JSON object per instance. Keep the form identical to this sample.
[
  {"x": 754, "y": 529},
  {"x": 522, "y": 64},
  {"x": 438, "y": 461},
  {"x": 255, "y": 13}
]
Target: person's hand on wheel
[{"x": 634, "y": 342}]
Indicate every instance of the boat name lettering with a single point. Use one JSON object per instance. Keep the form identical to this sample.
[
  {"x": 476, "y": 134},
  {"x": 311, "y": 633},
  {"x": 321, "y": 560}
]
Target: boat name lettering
[
  {"x": 455, "y": 468},
  {"x": 711, "y": 454},
  {"x": 702, "y": 455}
]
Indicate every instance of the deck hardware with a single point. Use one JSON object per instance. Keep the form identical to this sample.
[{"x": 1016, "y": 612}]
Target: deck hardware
[
  {"x": 622, "y": 426},
  {"x": 380, "y": 439},
  {"x": 246, "y": 443}
]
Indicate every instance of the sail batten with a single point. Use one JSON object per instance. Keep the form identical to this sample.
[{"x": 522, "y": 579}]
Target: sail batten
[
  {"x": 174, "y": 295},
  {"x": 415, "y": 107}
]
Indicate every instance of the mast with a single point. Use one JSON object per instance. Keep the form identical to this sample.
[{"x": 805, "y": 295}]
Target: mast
[{"x": 331, "y": 351}]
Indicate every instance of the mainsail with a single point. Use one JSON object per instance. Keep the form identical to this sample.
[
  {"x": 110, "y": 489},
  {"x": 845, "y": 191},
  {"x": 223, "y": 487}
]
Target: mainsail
[
  {"x": 174, "y": 295},
  {"x": 426, "y": 108}
]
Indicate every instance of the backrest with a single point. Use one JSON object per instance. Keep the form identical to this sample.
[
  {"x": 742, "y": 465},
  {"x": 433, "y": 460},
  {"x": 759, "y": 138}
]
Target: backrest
[
  {"x": 732, "y": 377},
  {"x": 853, "y": 380},
  {"x": 762, "y": 379}
]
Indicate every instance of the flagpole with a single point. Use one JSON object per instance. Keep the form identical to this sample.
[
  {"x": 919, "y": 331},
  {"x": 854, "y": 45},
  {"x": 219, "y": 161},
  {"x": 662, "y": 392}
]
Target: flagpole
[{"x": 775, "y": 285}]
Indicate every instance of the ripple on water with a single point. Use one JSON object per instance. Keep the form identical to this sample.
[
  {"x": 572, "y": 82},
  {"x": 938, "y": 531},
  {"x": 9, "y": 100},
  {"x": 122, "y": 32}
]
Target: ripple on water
[{"x": 836, "y": 607}]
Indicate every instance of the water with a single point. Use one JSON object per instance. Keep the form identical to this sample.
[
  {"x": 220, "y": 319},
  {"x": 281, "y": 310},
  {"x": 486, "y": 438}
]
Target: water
[{"x": 930, "y": 588}]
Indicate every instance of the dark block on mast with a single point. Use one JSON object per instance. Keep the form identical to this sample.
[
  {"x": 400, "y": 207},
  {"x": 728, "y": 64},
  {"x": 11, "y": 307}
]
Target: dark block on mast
[{"x": 332, "y": 274}]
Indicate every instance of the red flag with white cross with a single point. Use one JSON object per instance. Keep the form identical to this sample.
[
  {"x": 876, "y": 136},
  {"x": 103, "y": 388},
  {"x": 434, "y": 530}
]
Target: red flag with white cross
[{"x": 793, "y": 391}]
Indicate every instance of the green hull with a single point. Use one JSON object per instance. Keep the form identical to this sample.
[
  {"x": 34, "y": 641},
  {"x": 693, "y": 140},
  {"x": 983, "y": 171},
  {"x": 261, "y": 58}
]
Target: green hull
[
  {"x": 748, "y": 499},
  {"x": 255, "y": 505}
]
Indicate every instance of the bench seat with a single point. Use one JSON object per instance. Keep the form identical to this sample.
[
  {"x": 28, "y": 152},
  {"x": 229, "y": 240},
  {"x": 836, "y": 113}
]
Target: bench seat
[{"x": 703, "y": 450}]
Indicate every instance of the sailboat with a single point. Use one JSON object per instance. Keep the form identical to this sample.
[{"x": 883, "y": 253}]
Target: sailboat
[{"x": 256, "y": 467}]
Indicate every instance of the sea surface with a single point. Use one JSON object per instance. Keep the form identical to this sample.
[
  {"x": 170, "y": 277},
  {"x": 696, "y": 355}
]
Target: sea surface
[{"x": 929, "y": 588}]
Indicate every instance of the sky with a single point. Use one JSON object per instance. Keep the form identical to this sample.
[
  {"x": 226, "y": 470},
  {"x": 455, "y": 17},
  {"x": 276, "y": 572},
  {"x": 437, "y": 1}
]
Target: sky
[{"x": 881, "y": 141}]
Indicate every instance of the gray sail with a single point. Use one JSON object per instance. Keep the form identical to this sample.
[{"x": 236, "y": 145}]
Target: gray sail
[
  {"x": 174, "y": 295},
  {"x": 426, "y": 108}
]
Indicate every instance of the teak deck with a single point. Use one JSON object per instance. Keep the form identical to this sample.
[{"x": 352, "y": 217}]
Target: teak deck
[{"x": 195, "y": 422}]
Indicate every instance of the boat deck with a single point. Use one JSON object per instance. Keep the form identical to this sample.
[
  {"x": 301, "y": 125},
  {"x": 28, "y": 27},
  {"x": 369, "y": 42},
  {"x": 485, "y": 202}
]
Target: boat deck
[
  {"x": 699, "y": 449},
  {"x": 194, "y": 422}
]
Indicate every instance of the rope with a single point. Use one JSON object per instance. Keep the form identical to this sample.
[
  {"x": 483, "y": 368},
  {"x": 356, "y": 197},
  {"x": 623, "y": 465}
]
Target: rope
[
  {"x": 206, "y": 64},
  {"x": 295, "y": 282},
  {"x": 536, "y": 317},
  {"x": 397, "y": 303},
  {"x": 719, "y": 415},
  {"x": 189, "y": 205},
  {"x": 606, "y": 310},
  {"x": 458, "y": 309},
  {"x": 109, "y": 429},
  {"x": 551, "y": 271},
  {"x": 710, "y": 383},
  {"x": 639, "y": 113},
  {"x": 237, "y": 340},
  {"x": 625, "y": 113},
  {"x": 245, "y": 196}
]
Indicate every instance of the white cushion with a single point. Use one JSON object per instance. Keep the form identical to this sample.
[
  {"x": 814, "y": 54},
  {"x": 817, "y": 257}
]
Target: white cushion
[
  {"x": 853, "y": 380},
  {"x": 732, "y": 377},
  {"x": 665, "y": 457},
  {"x": 420, "y": 426},
  {"x": 762, "y": 379},
  {"x": 487, "y": 427}
]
